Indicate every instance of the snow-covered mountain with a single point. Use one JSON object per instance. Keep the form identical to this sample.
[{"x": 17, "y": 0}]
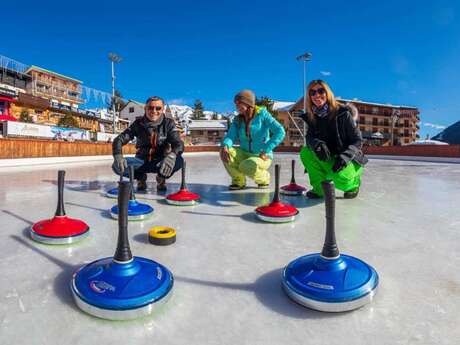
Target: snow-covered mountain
[
  {"x": 450, "y": 135},
  {"x": 183, "y": 114}
]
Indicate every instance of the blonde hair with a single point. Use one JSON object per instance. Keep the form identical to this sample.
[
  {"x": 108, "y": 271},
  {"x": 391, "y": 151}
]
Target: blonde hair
[{"x": 332, "y": 102}]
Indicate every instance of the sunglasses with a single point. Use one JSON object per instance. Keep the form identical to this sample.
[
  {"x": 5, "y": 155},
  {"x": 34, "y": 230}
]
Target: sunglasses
[
  {"x": 157, "y": 108},
  {"x": 320, "y": 91}
]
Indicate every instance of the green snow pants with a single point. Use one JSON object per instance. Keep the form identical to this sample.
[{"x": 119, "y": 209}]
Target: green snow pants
[{"x": 348, "y": 179}]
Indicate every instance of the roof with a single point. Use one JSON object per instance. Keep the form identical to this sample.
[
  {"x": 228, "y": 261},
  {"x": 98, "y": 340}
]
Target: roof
[
  {"x": 208, "y": 124},
  {"x": 344, "y": 100},
  {"x": 377, "y": 104},
  {"x": 133, "y": 102},
  {"x": 36, "y": 68},
  {"x": 282, "y": 106},
  {"x": 136, "y": 102}
]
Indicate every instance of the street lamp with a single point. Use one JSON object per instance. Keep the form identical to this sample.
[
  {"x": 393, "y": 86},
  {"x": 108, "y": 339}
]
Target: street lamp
[
  {"x": 115, "y": 59},
  {"x": 394, "y": 119},
  {"x": 304, "y": 57}
]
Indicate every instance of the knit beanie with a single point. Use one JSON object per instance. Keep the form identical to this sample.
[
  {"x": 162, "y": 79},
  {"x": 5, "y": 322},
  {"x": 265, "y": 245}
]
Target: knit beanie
[{"x": 247, "y": 97}]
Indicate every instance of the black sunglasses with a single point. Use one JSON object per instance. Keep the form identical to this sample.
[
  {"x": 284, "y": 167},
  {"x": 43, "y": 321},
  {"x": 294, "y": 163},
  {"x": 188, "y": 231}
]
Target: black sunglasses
[
  {"x": 157, "y": 108},
  {"x": 320, "y": 91}
]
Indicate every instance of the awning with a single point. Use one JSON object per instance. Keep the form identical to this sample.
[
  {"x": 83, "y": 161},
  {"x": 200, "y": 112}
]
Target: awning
[
  {"x": 8, "y": 99},
  {"x": 7, "y": 118}
]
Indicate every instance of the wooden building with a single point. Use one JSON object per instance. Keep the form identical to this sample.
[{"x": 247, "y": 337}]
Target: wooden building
[
  {"x": 380, "y": 124},
  {"x": 206, "y": 132},
  {"x": 59, "y": 89}
]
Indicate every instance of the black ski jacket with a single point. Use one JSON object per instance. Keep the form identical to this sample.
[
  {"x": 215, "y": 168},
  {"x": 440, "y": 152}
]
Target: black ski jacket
[
  {"x": 162, "y": 137},
  {"x": 349, "y": 140}
]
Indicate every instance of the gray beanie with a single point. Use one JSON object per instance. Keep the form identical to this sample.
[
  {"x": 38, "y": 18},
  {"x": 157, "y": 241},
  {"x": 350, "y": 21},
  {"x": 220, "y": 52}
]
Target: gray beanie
[{"x": 247, "y": 97}]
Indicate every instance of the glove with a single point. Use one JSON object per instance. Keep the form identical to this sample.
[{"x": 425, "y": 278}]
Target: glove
[
  {"x": 321, "y": 150},
  {"x": 119, "y": 164},
  {"x": 339, "y": 164},
  {"x": 168, "y": 164},
  {"x": 224, "y": 155}
]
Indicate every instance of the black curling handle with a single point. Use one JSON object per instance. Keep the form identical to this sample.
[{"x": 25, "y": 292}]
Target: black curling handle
[
  {"x": 182, "y": 184},
  {"x": 293, "y": 168},
  {"x": 330, "y": 249},
  {"x": 60, "y": 204},
  {"x": 131, "y": 179},
  {"x": 123, "y": 252},
  {"x": 276, "y": 197}
]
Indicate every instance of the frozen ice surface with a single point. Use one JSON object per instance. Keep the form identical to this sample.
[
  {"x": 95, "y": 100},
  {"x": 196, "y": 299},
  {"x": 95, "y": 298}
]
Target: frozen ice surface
[{"x": 227, "y": 265}]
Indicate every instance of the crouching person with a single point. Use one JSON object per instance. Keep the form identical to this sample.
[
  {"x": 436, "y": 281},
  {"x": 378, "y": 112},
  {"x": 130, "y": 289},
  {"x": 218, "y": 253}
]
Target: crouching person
[
  {"x": 158, "y": 146},
  {"x": 258, "y": 133},
  {"x": 333, "y": 143}
]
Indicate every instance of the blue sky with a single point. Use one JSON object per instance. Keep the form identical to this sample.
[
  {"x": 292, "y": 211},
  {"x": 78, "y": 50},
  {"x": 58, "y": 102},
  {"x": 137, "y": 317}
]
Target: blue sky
[{"x": 399, "y": 52}]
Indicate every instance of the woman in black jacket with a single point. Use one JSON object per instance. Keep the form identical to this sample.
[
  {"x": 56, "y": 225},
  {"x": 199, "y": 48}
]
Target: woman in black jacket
[{"x": 333, "y": 143}]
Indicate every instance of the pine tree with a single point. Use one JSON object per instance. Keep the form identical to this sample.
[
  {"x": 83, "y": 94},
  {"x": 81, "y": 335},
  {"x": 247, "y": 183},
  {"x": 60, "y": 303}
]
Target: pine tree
[
  {"x": 198, "y": 110},
  {"x": 68, "y": 121},
  {"x": 118, "y": 100},
  {"x": 267, "y": 103},
  {"x": 25, "y": 117}
]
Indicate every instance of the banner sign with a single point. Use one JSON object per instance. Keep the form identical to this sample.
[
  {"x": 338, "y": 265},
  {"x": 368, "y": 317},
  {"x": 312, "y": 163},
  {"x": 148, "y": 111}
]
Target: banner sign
[{"x": 42, "y": 131}]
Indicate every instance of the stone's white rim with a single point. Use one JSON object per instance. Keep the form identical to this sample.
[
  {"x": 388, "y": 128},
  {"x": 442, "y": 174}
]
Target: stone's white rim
[
  {"x": 118, "y": 315},
  {"x": 290, "y": 192},
  {"x": 276, "y": 219},
  {"x": 130, "y": 218},
  {"x": 329, "y": 307},
  {"x": 58, "y": 240},
  {"x": 112, "y": 196},
  {"x": 181, "y": 203}
]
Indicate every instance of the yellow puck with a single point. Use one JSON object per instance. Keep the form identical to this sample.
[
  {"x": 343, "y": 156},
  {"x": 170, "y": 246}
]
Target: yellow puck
[{"x": 162, "y": 235}]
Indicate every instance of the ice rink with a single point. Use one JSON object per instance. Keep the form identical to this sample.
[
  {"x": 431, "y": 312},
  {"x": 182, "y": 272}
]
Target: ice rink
[{"x": 227, "y": 264}]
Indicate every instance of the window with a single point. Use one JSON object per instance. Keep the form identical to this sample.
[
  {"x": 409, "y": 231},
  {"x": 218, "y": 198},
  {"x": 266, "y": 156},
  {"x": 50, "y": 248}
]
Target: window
[
  {"x": 131, "y": 109},
  {"x": 3, "y": 108}
]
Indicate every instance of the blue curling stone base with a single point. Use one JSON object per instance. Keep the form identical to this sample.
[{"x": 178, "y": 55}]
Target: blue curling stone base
[
  {"x": 121, "y": 291},
  {"x": 112, "y": 193},
  {"x": 136, "y": 210},
  {"x": 331, "y": 285}
]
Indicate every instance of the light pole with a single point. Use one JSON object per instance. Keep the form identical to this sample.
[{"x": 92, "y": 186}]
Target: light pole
[
  {"x": 304, "y": 57},
  {"x": 115, "y": 59},
  {"x": 394, "y": 119}
]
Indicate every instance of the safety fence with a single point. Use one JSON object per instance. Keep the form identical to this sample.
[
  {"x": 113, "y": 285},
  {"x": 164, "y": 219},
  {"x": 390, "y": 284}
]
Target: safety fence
[{"x": 35, "y": 148}]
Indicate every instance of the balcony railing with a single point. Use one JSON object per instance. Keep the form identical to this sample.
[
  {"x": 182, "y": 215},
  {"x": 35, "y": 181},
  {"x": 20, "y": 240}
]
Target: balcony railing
[
  {"x": 58, "y": 85},
  {"x": 61, "y": 95}
]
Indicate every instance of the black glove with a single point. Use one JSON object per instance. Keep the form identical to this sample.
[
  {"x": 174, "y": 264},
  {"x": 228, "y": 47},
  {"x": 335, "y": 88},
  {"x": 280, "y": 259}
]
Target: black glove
[
  {"x": 339, "y": 164},
  {"x": 119, "y": 164},
  {"x": 321, "y": 150},
  {"x": 168, "y": 164}
]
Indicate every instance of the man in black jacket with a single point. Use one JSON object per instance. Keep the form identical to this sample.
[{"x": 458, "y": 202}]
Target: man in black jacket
[{"x": 158, "y": 146}]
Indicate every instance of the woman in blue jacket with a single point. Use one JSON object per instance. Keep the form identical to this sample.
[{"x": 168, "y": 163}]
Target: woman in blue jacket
[{"x": 258, "y": 133}]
